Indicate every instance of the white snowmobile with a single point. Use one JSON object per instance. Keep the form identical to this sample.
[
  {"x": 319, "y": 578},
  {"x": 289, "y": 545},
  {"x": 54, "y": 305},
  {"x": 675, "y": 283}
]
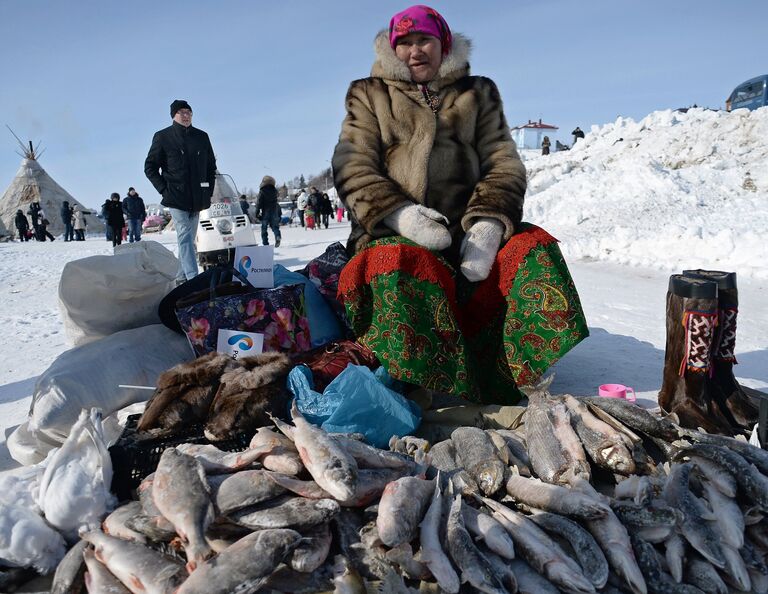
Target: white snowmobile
[{"x": 223, "y": 226}]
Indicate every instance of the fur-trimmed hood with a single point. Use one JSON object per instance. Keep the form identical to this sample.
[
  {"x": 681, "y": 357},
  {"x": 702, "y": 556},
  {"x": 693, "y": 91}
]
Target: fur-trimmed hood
[{"x": 454, "y": 66}]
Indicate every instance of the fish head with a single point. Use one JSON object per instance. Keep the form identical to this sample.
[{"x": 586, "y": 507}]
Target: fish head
[
  {"x": 284, "y": 538},
  {"x": 617, "y": 458},
  {"x": 490, "y": 476},
  {"x": 342, "y": 484}
]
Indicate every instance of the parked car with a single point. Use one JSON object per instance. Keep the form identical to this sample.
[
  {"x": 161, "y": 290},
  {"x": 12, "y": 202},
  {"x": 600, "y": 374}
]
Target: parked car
[
  {"x": 750, "y": 94},
  {"x": 154, "y": 222}
]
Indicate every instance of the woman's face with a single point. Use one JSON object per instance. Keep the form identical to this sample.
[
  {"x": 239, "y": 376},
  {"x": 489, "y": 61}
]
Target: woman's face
[{"x": 422, "y": 53}]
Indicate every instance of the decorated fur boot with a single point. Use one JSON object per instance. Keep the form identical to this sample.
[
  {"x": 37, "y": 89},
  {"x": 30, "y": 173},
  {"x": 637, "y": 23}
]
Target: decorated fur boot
[
  {"x": 727, "y": 390},
  {"x": 692, "y": 318}
]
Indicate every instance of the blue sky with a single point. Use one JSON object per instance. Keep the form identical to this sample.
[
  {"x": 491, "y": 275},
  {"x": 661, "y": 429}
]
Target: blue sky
[{"x": 93, "y": 80}]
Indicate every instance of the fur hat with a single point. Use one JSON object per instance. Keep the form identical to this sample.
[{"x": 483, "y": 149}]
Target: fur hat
[
  {"x": 179, "y": 104},
  {"x": 267, "y": 180}
]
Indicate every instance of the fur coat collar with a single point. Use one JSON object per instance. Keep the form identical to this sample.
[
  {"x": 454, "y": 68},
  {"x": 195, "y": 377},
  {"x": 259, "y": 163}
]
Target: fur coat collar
[{"x": 388, "y": 67}]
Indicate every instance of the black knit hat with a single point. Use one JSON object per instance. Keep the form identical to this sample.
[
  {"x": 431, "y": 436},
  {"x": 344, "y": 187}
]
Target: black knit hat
[{"x": 179, "y": 104}]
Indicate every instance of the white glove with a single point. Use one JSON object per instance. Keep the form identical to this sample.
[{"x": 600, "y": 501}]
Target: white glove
[
  {"x": 479, "y": 248},
  {"x": 423, "y": 225}
]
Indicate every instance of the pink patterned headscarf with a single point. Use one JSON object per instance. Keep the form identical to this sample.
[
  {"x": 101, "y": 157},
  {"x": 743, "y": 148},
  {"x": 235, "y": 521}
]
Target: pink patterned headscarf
[{"x": 420, "y": 19}]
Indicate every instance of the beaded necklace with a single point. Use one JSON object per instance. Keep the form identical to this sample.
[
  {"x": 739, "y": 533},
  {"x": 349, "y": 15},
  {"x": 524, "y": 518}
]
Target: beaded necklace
[{"x": 433, "y": 100}]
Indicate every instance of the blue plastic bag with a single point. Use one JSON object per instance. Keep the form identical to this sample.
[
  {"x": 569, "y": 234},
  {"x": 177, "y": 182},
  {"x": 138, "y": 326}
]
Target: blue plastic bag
[
  {"x": 367, "y": 406},
  {"x": 315, "y": 407},
  {"x": 357, "y": 401},
  {"x": 323, "y": 324}
]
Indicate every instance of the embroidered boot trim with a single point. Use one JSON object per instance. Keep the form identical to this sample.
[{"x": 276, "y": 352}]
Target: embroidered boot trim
[
  {"x": 699, "y": 335},
  {"x": 725, "y": 342}
]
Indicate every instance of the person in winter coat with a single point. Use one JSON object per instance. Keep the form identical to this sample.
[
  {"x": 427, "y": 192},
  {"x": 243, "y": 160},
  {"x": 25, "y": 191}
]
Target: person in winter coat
[
  {"x": 34, "y": 214},
  {"x": 339, "y": 210},
  {"x": 245, "y": 207},
  {"x": 115, "y": 218},
  {"x": 107, "y": 228},
  {"x": 311, "y": 210},
  {"x": 67, "y": 212},
  {"x": 268, "y": 209},
  {"x": 475, "y": 301},
  {"x": 22, "y": 225},
  {"x": 577, "y": 134},
  {"x": 315, "y": 204},
  {"x": 182, "y": 167},
  {"x": 135, "y": 213},
  {"x": 80, "y": 224},
  {"x": 301, "y": 205},
  {"x": 326, "y": 209},
  {"x": 42, "y": 227},
  {"x": 545, "y": 144}
]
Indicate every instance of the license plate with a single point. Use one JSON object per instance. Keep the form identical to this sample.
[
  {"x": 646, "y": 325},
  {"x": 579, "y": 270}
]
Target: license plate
[{"x": 220, "y": 209}]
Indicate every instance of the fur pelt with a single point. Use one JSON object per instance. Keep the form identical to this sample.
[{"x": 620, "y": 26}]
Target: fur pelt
[
  {"x": 184, "y": 393},
  {"x": 198, "y": 372},
  {"x": 248, "y": 394},
  {"x": 393, "y": 150}
]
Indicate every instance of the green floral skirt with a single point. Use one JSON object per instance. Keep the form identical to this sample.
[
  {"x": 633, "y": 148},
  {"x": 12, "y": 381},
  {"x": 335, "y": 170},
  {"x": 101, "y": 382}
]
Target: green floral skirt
[{"x": 429, "y": 326}]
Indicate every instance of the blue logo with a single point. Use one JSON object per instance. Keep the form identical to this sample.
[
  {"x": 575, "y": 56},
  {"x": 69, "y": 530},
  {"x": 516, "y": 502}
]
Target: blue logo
[
  {"x": 246, "y": 342},
  {"x": 244, "y": 265}
]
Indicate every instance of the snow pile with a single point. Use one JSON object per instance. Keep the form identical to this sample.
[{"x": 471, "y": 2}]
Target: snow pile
[{"x": 672, "y": 191}]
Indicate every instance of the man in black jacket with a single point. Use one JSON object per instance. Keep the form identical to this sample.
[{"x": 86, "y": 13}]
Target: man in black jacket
[
  {"x": 22, "y": 225},
  {"x": 182, "y": 167},
  {"x": 135, "y": 213},
  {"x": 67, "y": 212}
]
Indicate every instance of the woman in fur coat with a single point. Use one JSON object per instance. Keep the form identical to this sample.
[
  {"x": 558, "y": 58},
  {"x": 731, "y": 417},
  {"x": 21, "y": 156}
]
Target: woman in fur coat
[{"x": 447, "y": 285}]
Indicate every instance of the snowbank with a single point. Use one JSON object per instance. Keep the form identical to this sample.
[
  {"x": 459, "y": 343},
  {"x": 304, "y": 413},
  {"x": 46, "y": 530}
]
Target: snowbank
[{"x": 672, "y": 191}]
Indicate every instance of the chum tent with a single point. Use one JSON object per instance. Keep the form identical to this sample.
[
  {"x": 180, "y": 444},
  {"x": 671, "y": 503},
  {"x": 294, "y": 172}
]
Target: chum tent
[{"x": 32, "y": 183}]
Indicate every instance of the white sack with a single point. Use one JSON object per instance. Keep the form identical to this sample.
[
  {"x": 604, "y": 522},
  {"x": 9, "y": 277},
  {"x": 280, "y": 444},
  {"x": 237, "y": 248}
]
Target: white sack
[
  {"x": 101, "y": 295},
  {"x": 31, "y": 449},
  {"x": 87, "y": 376},
  {"x": 28, "y": 447},
  {"x": 74, "y": 489}
]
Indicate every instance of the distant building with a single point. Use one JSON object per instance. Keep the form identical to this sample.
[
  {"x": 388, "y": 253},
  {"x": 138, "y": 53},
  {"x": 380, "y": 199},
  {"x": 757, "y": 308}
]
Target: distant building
[{"x": 530, "y": 135}]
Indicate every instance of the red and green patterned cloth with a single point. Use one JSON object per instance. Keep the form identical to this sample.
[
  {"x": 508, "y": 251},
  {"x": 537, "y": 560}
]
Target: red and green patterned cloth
[{"x": 430, "y": 327}]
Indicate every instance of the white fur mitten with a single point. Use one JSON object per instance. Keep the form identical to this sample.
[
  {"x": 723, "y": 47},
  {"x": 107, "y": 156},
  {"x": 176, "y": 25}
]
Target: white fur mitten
[
  {"x": 425, "y": 226},
  {"x": 479, "y": 248}
]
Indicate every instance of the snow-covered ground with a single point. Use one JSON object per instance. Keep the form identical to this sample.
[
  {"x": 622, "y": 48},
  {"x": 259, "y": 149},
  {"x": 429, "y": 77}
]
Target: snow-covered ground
[
  {"x": 670, "y": 195},
  {"x": 672, "y": 190}
]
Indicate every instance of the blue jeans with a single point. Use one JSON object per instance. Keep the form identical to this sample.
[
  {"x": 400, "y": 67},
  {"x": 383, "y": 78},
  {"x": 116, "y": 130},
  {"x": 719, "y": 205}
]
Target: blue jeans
[
  {"x": 134, "y": 230},
  {"x": 271, "y": 219},
  {"x": 186, "y": 230}
]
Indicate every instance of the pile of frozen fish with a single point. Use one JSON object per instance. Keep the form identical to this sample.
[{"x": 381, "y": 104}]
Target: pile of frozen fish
[{"x": 590, "y": 495}]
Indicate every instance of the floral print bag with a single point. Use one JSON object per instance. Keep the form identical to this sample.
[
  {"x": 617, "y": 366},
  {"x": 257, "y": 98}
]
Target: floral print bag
[{"x": 279, "y": 314}]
